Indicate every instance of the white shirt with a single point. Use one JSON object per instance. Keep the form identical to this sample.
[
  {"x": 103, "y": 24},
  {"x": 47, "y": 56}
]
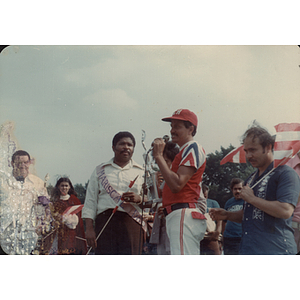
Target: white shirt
[
  {"x": 36, "y": 183},
  {"x": 98, "y": 200}
]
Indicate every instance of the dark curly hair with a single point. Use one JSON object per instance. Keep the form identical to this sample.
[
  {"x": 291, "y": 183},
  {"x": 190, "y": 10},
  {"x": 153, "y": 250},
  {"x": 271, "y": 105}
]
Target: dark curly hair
[
  {"x": 235, "y": 181},
  {"x": 122, "y": 134},
  {"x": 264, "y": 137},
  {"x": 171, "y": 150}
]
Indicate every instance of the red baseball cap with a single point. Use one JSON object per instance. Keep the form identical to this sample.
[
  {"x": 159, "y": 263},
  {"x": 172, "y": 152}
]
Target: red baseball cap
[{"x": 183, "y": 115}]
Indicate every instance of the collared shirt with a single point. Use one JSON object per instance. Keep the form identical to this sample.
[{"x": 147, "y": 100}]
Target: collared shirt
[
  {"x": 295, "y": 164},
  {"x": 263, "y": 233},
  {"x": 98, "y": 200},
  {"x": 31, "y": 182},
  {"x": 191, "y": 155}
]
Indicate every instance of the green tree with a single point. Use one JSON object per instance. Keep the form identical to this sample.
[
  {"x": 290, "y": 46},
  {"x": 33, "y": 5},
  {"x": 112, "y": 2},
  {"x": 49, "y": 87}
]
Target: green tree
[
  {"x": 50, "y": 188},
  {"x": 81, "y": 191},
  {"x": 218, "y": 177}
]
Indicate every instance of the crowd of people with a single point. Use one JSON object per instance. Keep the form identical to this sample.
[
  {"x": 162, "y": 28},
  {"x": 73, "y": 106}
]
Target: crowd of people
[{"x": 119, "y": 217}]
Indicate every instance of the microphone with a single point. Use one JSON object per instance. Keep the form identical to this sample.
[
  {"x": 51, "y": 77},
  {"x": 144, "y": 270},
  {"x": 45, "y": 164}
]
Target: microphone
[{"x": 166, "y": 138}]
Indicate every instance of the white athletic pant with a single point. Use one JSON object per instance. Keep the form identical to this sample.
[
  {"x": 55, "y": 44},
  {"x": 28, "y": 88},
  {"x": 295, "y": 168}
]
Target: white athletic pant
[{"x": 184, "y": 231}]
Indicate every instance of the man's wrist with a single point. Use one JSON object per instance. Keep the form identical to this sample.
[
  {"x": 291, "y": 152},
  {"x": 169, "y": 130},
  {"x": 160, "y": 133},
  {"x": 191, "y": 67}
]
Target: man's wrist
[
  {"x": 158, "y": 156},
  {"x": 226, "y": 215},
  {"x": 89, "y": 224}
]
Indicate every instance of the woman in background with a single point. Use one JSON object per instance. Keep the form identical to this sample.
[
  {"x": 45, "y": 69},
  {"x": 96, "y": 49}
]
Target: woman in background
[{"x": 69, "y": 237}]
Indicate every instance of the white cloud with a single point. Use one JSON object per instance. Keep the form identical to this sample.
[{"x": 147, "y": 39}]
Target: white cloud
[{"x": 116, "y": 98}]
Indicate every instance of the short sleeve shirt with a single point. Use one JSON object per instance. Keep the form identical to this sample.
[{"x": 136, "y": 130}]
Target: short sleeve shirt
[
  {"x": 191, "y": 155},
  {"x": 263, "y": 233},
  {"x": 212, "y": 204},
  {"x": 233, "y": 229}
]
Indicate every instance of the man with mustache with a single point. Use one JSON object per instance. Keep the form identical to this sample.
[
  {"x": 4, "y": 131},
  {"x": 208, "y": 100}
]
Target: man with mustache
[
  {"x": 110, "y": 180},
  {"x": 185, "y": 224},
  {"x": 269, "y": 206},
  {"x": 233, "y": 231}
]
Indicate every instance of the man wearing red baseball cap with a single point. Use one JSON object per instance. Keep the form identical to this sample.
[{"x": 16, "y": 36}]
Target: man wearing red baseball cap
[{"x": 185, "y": 224}]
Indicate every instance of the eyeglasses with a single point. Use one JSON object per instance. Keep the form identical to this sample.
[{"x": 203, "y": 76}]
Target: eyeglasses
[{"x": 20, "y": 163}]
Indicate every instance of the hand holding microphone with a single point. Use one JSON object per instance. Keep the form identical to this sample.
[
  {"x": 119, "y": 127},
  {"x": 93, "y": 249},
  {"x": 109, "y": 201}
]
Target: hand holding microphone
[
  {"x": 158, "y": 145},
  {"x": 165, "y": 138}
]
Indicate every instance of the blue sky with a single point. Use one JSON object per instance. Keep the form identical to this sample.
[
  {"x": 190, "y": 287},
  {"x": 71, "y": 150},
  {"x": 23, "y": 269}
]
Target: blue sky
[{"x": 67, "y": 102}]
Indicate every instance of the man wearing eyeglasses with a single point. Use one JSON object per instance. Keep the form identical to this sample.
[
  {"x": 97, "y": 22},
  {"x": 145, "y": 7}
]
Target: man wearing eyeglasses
[{"x": 23, "y": 205}]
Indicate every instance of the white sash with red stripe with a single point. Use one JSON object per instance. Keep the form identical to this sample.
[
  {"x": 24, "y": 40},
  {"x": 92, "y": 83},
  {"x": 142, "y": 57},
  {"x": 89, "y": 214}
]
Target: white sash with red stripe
[{"x": 129, "y": 208}]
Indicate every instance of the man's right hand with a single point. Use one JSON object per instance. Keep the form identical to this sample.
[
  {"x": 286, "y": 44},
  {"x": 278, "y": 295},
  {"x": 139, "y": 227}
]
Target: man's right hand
[
  {"x": 218, "y": 214},
  {"x": 90, "y": 234}
]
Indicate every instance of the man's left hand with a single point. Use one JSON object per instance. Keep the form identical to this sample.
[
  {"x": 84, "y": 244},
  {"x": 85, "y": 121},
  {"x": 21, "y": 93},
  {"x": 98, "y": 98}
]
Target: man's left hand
[
  {"x": 247, "y": 193},
  {"x": 131, "y": 197},
  {"x": 213, "y": 235}
]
